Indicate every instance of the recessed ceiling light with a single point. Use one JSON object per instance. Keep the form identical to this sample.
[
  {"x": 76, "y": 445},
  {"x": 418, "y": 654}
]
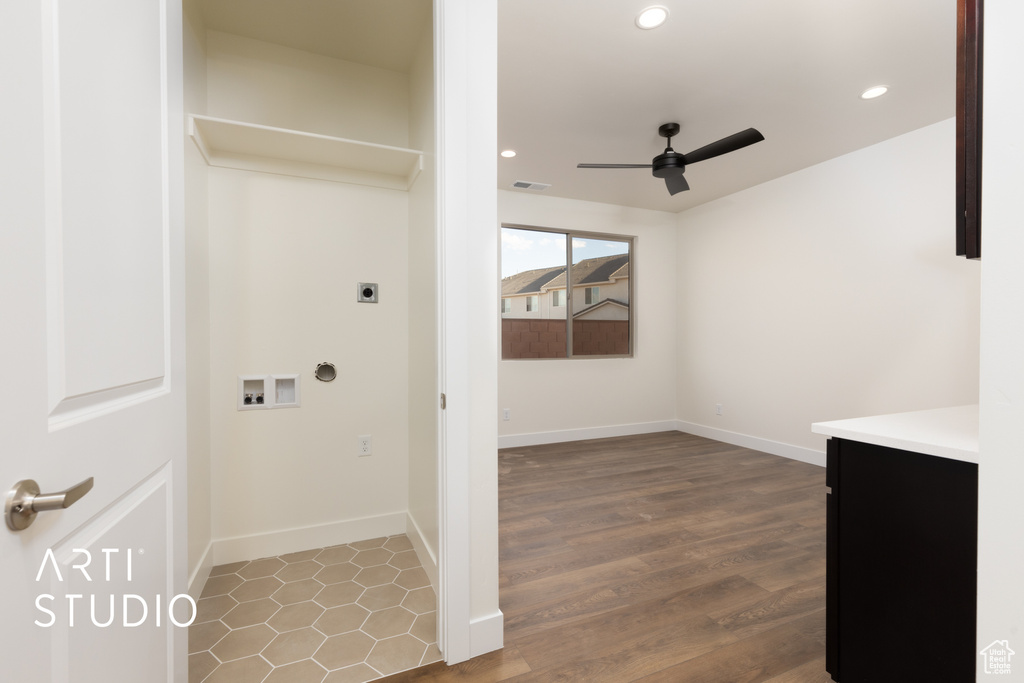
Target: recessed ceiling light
[
  {"x": 508, "y": 153},
  {"x": 652, "y": 17},
  {"x": 873, "y": 92}
]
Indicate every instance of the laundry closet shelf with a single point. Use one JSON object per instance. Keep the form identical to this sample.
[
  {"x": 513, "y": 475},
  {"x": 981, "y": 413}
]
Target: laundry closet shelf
[{"x": 252, "y": 147}]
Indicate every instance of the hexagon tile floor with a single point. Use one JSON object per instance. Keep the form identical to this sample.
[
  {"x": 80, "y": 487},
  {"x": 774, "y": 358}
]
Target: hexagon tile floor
[{"x": 345, "y": 614}]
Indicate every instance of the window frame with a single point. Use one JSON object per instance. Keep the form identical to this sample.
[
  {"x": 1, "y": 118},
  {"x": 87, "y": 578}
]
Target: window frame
[{"x": 568, "y": 299}]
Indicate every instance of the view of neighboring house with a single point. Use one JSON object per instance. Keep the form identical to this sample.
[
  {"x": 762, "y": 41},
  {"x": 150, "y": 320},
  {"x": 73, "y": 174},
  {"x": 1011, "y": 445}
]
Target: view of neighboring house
[
  {"x": 600, "y": 291},
  {"x": 534, "y": 310}
]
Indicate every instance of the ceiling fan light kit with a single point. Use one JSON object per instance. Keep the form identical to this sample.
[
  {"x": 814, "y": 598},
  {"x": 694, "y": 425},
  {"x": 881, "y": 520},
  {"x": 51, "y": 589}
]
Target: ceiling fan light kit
[{"x": 670, "y": 164}]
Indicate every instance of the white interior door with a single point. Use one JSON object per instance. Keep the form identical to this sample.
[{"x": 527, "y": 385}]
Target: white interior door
[{"x": 91, "y": 338}]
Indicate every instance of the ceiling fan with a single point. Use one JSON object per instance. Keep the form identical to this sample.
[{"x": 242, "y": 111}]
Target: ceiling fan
[{"x": 670, "y": 164}]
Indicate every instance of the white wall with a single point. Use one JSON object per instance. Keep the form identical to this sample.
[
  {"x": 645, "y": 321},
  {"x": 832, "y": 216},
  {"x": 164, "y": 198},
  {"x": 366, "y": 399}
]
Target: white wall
[
  {"x": 197, "y": 310},
  {"x": 285, "y": 256},
  {"x": 466, "y": 90},
  {"x": 480, "y": 343},
  {"x": 481, "y": 320},
  {"x": 272, "y": 85},
  {"x": 556, "y": 400},
  {"x": 830, "y": 293},
  {"x": 423, "y": 387},
  {"x": 1001, "y": 465}
]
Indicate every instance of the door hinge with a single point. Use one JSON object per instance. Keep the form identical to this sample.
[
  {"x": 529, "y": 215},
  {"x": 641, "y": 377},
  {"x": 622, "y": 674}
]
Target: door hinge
[{"x": 444, "y": 401}]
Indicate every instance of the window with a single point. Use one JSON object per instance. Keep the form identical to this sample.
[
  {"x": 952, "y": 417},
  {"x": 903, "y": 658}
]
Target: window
[
  {"x": 506, "y": 306},
  {"x": 588, "y": 276}
]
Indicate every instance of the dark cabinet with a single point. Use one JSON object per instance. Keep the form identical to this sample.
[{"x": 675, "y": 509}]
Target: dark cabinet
[{"x": 902, "y": 565}]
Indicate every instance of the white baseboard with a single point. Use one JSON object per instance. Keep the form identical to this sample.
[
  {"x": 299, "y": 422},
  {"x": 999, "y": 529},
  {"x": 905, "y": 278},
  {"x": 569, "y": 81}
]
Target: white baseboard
[
  {"x": 538, "y": 438},
  {"x": 766, "y": 445},
  {"x": 426, "y": 554},
  {"x": 486, "y": 634},
  {"x": 319, "y": 536},
  {"x": 197, "y": 581},
  {"x": 784, "y": 450}
]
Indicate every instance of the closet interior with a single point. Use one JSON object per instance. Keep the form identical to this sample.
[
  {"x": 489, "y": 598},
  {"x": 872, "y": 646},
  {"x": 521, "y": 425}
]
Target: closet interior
[{"x": 309, "y": 177}]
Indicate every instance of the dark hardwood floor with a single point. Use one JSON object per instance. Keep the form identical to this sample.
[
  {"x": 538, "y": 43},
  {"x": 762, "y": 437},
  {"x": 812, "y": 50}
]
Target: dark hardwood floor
[{"x": 657, "y": 558}]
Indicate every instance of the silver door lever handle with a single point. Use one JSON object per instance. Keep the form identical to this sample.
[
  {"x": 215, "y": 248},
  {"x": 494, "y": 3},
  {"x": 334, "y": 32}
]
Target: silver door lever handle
[{"x": 24, "y": 501}]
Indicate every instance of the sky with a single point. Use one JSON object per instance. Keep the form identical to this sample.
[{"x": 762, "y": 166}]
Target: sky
[{"x": 528, "y": 249}]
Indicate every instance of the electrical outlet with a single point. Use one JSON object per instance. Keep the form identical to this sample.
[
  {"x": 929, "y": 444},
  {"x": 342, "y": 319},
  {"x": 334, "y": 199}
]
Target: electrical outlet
[
  {"x": 506, "y": 415},
  {"x": 718, "y": 409},
  {"x": 365, "y": 445},
  {"x": 366, "y": 293}
]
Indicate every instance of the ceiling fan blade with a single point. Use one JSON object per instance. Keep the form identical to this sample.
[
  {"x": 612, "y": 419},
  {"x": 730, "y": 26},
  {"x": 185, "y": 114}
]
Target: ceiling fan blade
[
  {"x": 724, "y": 146},
  {"x": 613, "y": 165},
  {"x": 676, "y": 184}
]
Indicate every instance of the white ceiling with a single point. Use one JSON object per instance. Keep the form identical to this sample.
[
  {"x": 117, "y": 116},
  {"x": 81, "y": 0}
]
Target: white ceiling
[{"x": 578, "y": 82}]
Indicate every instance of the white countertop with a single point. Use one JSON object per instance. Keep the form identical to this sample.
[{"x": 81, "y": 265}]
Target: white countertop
[{"x": 945, "y": 432}]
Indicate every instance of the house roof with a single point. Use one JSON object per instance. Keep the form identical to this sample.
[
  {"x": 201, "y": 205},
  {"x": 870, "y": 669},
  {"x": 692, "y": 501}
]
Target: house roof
[
  {"x": 603, "y": 302},
  {"x": 587, "y": 271},
  {"x": 592, "y": 270},
  {"x": 530, "y": 281},
  {"x": 621, "y": 272}
]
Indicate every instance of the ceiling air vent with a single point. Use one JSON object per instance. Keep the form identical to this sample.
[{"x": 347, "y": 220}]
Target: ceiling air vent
[{"x": 526, "y": 185}]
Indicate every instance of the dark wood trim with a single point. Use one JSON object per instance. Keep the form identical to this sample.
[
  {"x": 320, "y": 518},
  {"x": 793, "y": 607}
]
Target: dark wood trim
[{"x": 968, "y": 127}]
